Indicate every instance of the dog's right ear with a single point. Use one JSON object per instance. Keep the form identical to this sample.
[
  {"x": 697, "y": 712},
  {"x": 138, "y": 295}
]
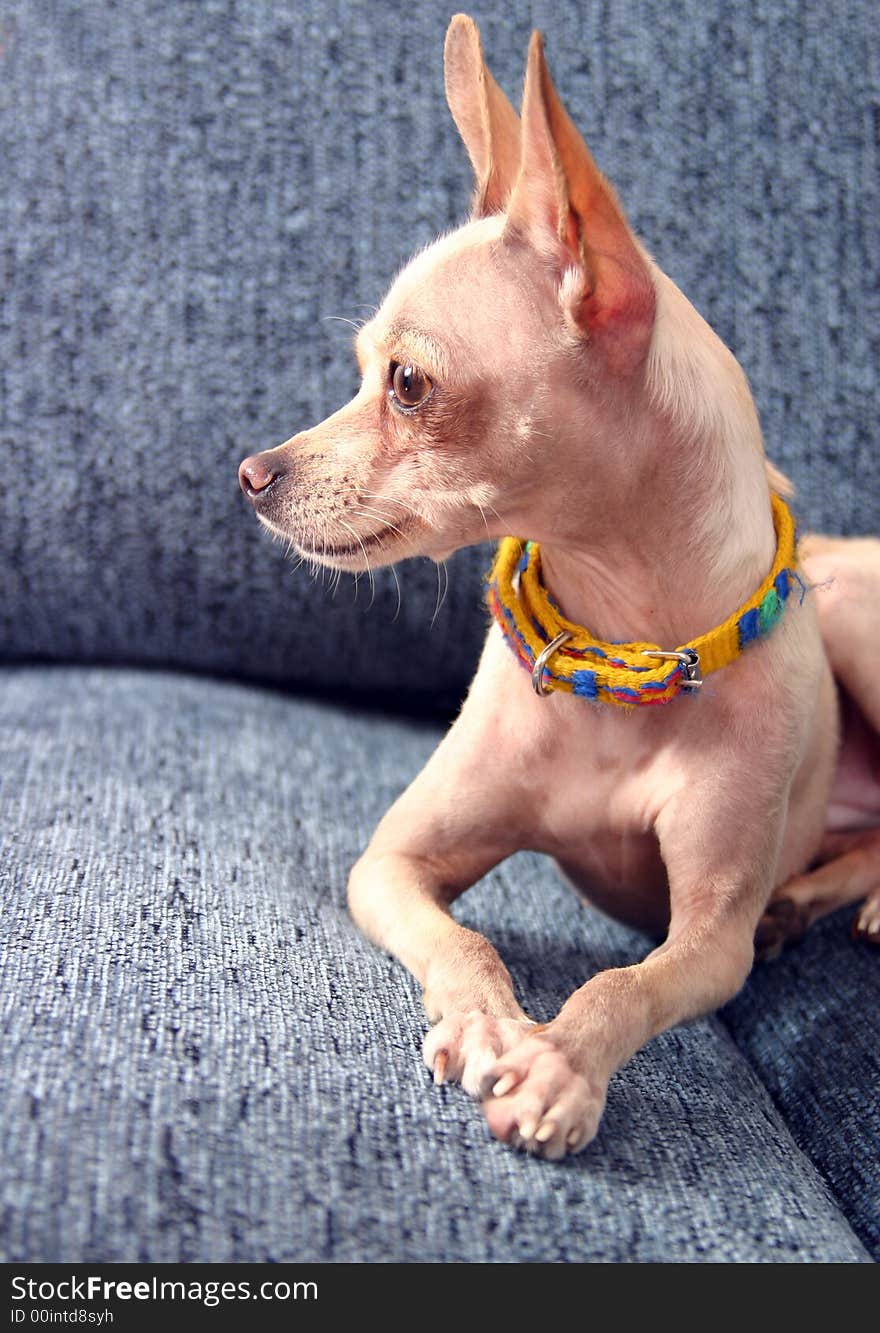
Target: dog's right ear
[
  {"x": 486, "y": 121},
  {"x": 564, "y": 206}
]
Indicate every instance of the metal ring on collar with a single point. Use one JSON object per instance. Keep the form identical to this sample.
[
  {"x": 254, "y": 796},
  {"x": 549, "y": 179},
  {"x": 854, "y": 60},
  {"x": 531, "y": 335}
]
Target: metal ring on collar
[{"x": 541, "y": 661}]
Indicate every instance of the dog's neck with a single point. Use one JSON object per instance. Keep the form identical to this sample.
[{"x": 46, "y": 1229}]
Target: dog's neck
[
  {"x": 663, "y": 574},
  {"x": 677, "y": 532}
]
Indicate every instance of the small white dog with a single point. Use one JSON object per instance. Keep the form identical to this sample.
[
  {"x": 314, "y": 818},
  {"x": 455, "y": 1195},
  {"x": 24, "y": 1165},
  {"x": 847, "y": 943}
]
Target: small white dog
[{"x": 536, "y": 373}]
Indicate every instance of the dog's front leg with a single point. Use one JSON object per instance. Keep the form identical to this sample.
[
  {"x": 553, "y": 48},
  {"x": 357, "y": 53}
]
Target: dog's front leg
[
  {"x": 547, "y": 1094},
  {"x": 444, "y": 833},
  {"x": 400, "y": 900}
]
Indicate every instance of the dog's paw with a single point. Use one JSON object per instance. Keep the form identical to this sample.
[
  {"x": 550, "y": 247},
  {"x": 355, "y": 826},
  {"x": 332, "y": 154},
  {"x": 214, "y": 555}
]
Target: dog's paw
[
  {"x": 866, "y": 925},
  {"x": 462, "y": 1046},
  {"x": 534, "y": 1098},
  {"x": 784, "y": 922}
]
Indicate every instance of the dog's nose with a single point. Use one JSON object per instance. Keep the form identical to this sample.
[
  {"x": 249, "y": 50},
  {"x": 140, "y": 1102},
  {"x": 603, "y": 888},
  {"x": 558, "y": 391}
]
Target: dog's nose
[{"x": 256, "y": 475}]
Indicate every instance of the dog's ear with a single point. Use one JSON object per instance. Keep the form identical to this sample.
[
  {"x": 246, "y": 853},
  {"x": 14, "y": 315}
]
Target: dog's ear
[
  {"x": 486, "y": 121},
  {"x": 564, "y": 206}
]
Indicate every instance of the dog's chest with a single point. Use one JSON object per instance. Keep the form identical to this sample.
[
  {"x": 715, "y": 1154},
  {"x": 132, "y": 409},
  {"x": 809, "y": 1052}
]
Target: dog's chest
[
  {"x": 596, "y": 770},
  {"x": 590, "y": 773},
  {"x": 596, "y": 783}
]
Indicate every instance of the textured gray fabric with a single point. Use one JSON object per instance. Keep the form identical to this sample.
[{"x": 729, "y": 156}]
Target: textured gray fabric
[
  {"x": 192, "y": 191},
  {"x": 807, "y": 1024},
  {"x": 203, "y": 1060}
]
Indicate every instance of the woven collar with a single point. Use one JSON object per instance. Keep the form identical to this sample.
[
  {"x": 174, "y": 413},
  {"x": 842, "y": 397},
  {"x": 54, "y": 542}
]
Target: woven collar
[{"x": 563, "y": 656}]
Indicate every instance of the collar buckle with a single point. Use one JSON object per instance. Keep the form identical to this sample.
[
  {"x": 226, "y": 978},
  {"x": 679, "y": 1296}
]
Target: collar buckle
[{"x": 689, "y": 660}]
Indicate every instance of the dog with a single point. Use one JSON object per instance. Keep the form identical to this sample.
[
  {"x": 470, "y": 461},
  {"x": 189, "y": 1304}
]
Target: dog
[{"x": 535, "y": 373}]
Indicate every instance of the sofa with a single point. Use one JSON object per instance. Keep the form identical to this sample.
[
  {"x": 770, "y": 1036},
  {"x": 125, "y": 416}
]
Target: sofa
[{"x": 200, "y": 1057}]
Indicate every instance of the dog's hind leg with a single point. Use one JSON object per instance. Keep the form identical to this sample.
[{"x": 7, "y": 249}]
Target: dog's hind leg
[
  {"x": 844, "y": 577},
  {"x": 848, "y": 871}
]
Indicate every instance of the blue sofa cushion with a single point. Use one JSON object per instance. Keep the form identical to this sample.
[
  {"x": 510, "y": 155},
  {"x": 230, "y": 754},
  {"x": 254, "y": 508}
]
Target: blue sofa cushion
[
  {"x": 806, "y": 1024},
  {"x": 203, "y": 1060}
]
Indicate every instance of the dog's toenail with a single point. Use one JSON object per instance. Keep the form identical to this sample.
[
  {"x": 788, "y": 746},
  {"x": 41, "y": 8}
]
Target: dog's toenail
[{"x": 504, "y": 1084}]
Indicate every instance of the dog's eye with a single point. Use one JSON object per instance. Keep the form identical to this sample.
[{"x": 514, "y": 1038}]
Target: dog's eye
[{"x": 410, "y": 386}]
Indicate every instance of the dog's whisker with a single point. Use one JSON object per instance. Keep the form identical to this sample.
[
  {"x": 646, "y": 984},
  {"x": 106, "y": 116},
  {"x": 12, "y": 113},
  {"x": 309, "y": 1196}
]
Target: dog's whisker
[
  {"x": 500, "y": 517},
  {"x": 390, "y": 526},
  {"x": 437, "y": 602},
  {"x": 440, "y": 599},
  {"x": 324, "y": 545},
  {"x": 366, "y": 512},
  {"x": 399, "y": 594},
  {"x": 351, "y": 530},
  {"x": 391, "y": 499},
  {"x": 356, "y": 324}
]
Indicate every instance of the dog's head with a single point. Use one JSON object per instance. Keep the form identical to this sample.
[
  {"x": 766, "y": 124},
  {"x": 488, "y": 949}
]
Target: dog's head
[{"x": 531, "y": 323}]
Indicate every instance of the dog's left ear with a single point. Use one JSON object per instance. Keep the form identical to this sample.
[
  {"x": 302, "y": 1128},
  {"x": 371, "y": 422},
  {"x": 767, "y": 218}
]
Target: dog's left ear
[
  {"x": 564, "y": 206},
  {"x": 486, "y": 121}
]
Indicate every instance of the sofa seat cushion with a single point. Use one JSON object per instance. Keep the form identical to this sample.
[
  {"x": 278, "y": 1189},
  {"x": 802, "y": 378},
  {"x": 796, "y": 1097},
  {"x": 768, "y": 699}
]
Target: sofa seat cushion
[
  {"x": 203, "y": 1060},
  {"x": 807, "y": 1023}
]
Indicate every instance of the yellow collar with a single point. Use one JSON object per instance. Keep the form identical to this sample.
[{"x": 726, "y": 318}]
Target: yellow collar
[{"x": 563, "y": 656}]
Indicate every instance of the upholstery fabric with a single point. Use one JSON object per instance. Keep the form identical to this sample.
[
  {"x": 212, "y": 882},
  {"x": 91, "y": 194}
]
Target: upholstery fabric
[
  {"x": 202, "y": 1059},
  {"x": 194, "y": 194},
  {"x": 806, "y": 1025}
]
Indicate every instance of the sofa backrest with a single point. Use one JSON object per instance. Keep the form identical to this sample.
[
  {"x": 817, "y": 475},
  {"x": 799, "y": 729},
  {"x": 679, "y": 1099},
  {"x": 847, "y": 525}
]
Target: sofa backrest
[{"x": 195, "y": 198}]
